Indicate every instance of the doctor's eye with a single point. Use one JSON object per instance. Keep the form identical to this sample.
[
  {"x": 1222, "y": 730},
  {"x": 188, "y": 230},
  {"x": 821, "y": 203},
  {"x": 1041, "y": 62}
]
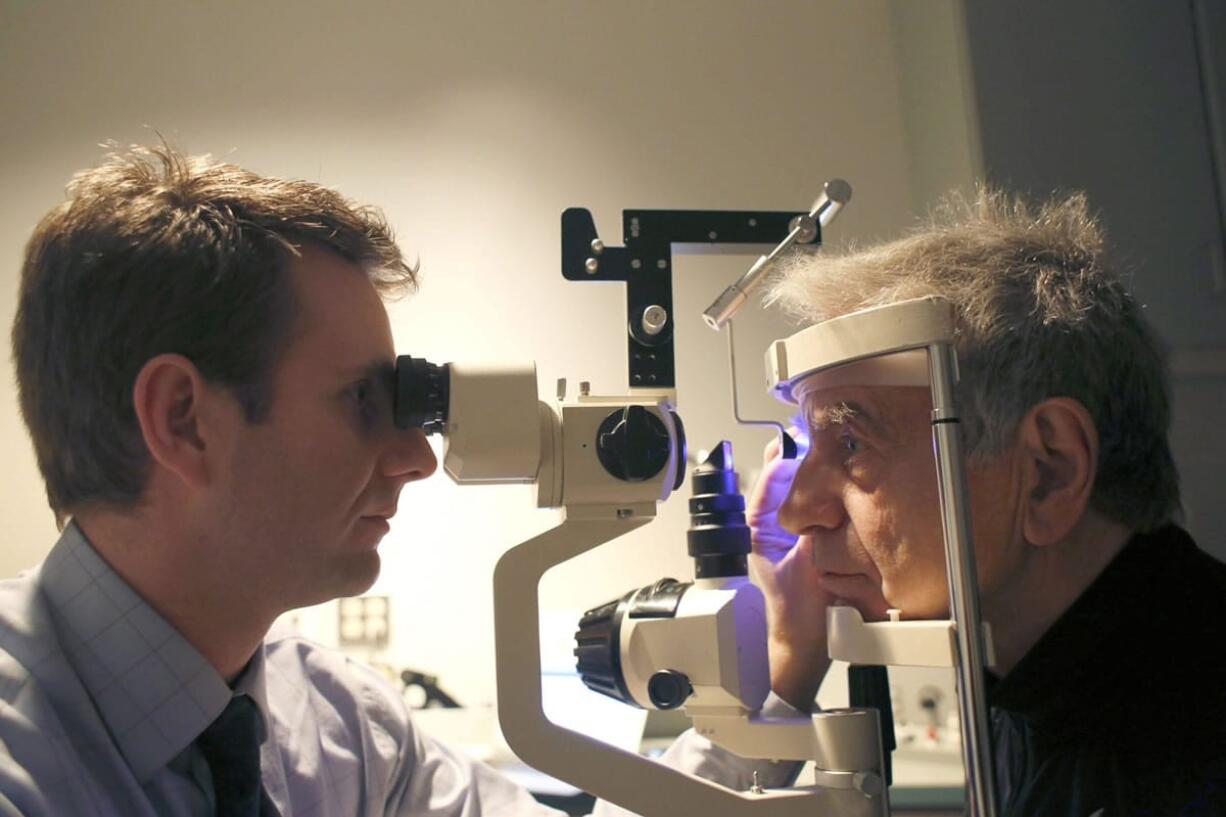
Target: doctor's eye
[
  {"x": 361, "y": 393},
  {"x": 365, "y": 397}
]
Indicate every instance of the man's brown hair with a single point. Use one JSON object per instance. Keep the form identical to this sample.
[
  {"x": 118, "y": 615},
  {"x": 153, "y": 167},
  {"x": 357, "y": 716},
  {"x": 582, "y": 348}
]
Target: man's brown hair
[{"x": 155, "y": 252}]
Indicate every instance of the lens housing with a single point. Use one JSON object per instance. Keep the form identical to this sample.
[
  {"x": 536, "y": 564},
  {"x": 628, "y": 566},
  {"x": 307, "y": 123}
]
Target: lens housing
[
  {"x": 718, "y": 538},
  {"x": 598, "y": 640},
  {"x": 422, "y": 394}
]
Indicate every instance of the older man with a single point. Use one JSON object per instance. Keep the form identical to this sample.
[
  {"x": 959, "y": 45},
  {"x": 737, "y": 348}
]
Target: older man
[{"x": 1109, "y": 689}]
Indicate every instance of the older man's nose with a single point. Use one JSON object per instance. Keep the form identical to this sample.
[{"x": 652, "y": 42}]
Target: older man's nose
[{"x": 814, "y": 501}]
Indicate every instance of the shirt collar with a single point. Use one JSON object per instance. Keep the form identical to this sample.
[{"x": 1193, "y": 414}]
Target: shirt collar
[{"x": 154, "y": 691}]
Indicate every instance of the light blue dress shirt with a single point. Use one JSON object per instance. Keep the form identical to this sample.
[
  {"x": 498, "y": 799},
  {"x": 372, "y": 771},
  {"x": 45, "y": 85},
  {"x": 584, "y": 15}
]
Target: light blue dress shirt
[{"x": 101, "y": 701}]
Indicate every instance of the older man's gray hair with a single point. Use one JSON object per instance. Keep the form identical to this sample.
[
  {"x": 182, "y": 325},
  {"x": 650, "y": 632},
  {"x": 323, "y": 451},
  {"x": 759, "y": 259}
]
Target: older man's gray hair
[{"x": 1040, "y": 314}]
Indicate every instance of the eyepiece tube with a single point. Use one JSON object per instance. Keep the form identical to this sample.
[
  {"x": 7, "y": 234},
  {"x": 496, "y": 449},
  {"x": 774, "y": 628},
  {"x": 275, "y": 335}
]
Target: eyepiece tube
[
  {"x": 718, "y": 538},
  {"x": 422, "y": 394},
  {"x": 489, "y": 416}
]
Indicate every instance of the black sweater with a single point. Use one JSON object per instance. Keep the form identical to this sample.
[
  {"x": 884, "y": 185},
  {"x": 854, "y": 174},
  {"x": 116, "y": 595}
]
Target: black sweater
[{"x": 1121, "y": 705}]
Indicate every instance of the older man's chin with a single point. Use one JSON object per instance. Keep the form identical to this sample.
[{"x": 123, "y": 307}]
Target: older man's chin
[
  {"x": 870, "y": 612},
  {"x": 860, "y": 592}
]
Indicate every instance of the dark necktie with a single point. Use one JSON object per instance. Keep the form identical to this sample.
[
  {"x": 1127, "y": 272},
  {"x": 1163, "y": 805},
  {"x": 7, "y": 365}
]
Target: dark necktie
[{"x": 231, "y": 745}]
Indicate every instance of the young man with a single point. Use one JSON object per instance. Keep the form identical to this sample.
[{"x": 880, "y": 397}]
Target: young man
[
  {"x": 1108, "y": 694},
  {"x": 205, "y": 367}
]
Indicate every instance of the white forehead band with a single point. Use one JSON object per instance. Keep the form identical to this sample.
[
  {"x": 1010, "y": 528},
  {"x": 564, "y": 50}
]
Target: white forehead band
[
  {"x": 881, "y": 346},
  {"x": 909, "y": 368}
]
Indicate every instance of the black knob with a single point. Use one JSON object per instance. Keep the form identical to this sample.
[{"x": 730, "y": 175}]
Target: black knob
[
  {"x": 633, "y": 444},
  {"x": 668, "y": 689},
  {"x": 598, "y": 649},
  {"x": 679, "y": 479},
  {"x": 598, "y": 640}
]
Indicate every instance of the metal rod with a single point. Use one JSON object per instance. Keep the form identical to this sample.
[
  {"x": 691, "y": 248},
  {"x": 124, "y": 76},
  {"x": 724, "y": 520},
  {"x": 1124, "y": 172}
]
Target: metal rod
[
  {"x": 787, "y": 446},
  {"x": 963, "y": 583},
  {"x": 835, "y": 194}
]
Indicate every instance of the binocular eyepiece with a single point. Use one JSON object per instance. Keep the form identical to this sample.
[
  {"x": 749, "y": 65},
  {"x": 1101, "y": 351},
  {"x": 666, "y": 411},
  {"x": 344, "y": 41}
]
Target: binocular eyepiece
[{"x": 421, "y": 394}]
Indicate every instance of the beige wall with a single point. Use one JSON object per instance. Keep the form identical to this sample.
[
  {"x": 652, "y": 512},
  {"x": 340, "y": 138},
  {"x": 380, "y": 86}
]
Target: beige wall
[{"x": 474, "y": 125}]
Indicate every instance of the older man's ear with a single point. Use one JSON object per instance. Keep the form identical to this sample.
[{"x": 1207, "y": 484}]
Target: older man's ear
[{"x": 1058, "y": 445}]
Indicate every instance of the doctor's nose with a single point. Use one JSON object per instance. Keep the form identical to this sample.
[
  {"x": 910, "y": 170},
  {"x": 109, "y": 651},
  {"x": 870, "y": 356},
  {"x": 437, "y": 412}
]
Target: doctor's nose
[{"x": 408, "y": 456}]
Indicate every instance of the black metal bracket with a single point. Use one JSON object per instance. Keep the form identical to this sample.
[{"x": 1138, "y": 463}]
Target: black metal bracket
[{"x": 645, "y": 263}]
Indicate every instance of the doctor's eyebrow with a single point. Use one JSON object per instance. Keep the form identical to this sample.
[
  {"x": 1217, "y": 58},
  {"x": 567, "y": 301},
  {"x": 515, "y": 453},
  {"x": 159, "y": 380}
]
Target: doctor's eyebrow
[
  {"x": 379, "y": 374},
  {"x": 378, "y": 371}
]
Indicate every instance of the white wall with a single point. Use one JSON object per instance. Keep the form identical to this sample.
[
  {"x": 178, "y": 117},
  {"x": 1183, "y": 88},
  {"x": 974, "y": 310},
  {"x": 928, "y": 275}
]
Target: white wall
[{"x": 474, "y": 125}]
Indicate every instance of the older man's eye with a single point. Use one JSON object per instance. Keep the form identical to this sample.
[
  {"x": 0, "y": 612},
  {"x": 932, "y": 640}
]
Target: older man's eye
[{"x": 850, "y": 444}]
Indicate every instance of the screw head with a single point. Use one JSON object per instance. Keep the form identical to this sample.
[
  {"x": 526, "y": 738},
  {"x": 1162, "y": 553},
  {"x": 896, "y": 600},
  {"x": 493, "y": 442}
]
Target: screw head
[
  {"x": 655, "y": 318},
  {"x": 867, "y": 783}
]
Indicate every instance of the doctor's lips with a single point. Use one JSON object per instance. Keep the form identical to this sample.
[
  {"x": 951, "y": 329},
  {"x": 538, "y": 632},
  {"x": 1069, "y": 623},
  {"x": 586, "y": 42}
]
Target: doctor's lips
[{"x": 382, "y": 514}]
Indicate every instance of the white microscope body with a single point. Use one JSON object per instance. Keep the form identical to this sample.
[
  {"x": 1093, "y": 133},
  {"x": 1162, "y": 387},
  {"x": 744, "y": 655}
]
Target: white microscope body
[
  {"x": 716, "y": 640},
  {"x": 606, "y": 462}
]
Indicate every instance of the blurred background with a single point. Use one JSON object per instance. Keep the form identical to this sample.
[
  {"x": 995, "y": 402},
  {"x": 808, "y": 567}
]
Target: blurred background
[{"x": 474, "y": 124}]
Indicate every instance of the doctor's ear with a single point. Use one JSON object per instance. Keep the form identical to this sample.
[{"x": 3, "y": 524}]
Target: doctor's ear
[
  {"x": 167, "y": 396},
  {"x": 1058, "y": 446}
]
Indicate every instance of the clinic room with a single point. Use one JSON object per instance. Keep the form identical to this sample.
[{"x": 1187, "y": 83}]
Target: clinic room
[{"x": 560, "y": 407}]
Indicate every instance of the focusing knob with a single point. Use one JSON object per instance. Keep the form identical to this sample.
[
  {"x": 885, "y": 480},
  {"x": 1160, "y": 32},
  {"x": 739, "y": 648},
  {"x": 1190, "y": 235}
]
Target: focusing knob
[
  {"x": 680, "y": 477},
  {"x": 668, "y": 689},
  {"x": 633, "y": 444}
]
